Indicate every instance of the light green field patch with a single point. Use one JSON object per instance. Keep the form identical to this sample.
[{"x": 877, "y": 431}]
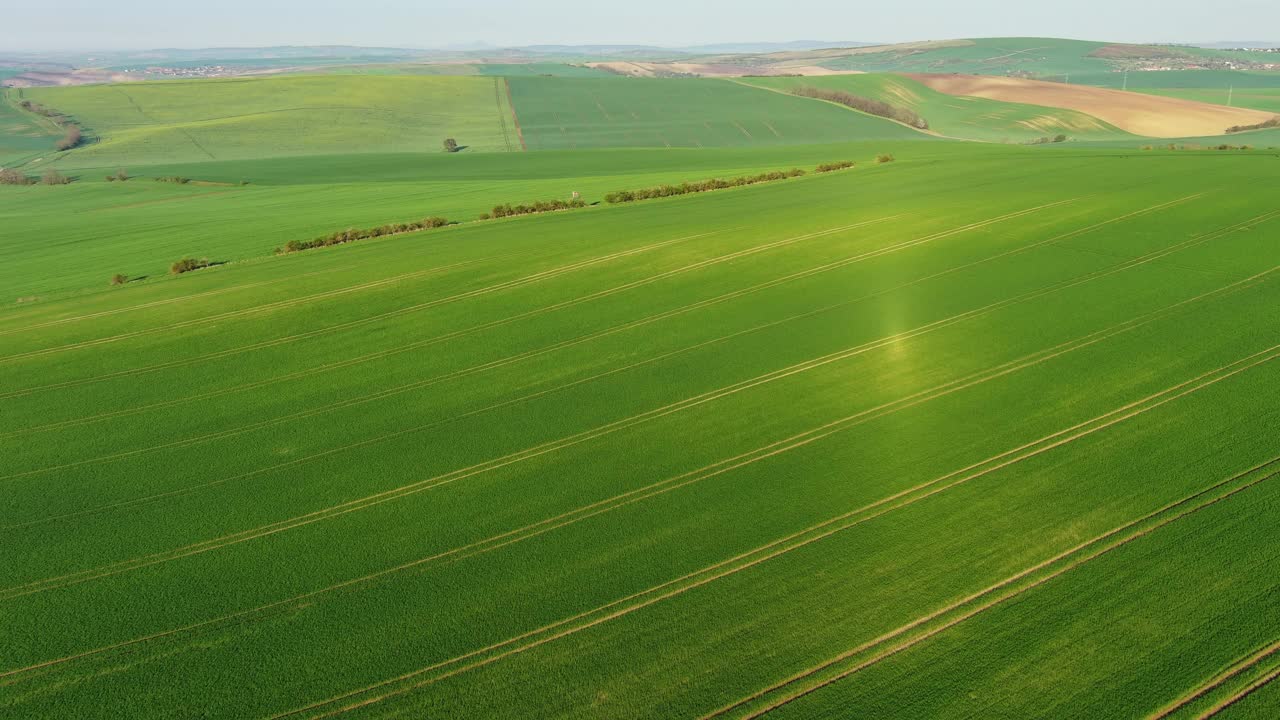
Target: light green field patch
[{"x": 287, "y": 116}]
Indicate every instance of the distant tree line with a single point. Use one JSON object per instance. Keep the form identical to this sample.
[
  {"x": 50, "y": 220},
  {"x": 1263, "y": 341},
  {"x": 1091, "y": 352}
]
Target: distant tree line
[
  {"x": 352, "y": 235},
  {"x": 1273, "y": 122},
  {"x": 866, "y": 105},
  {"x": 660, "y": 191},
  {"x": 1046, "y": 140},
  {"x": 72, "y": 136},
  {"x": 540, "y": 206}
]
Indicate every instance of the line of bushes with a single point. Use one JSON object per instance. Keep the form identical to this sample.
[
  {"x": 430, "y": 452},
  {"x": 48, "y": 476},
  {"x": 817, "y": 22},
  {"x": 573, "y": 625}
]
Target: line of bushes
[
  {"x": 878, "y": 108},
  {"x": 1046, "y": 140},
  {"x": 1273, "y": 122},
  {"x": 539, "y": 206},
  {"x": 9, "y": 176},
  {"x": 660, "y": 191},
  {"x": 73, "y": 134},
  {"x": 186, "y": 265},
  {"x": 832, "y": 167},
  {"x": 178, "y": 179},
  {"x": 352, "y": 235}
]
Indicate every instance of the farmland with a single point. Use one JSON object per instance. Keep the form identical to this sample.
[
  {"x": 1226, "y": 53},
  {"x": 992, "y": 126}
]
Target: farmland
[
  {"x": 971, "y": 118},
  {"x": 634, "y": 112},
  {"x": 964, "y": 429}
]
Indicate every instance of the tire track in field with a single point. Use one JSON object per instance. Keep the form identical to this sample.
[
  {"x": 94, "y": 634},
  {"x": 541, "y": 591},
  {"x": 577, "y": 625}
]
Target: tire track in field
[
  {"x": 548, "y": 447},
  {"x": 562, "y": 305},
  {"x": 1216, "y": 681},
  {"x": 76, "y": 422},
  {"x": 1237, "y": 697},
  {"x": 391, "y": 392},
  {"x": 620, "y": 608},
  {"x": 515, "y": 116},
  {"x": 154, "y": 303},
  {"x": 662, "y": 487},
  {"x": 310, "y": 298},
  {"x": 1158, "y": 519},
  {"x": 502, "y": 114},
  {"x": 621, "y": 328}
]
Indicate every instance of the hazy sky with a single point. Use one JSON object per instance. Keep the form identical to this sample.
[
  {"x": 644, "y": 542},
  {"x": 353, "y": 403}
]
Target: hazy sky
[{"x": 137, "y": 24}]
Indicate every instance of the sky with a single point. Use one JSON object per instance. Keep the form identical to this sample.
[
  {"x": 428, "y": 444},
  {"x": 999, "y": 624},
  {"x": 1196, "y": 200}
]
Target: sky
[{"x": 143, "y": 24}]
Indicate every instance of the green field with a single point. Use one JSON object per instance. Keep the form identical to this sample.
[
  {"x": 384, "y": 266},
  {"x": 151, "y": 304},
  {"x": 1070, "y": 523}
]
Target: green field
[
  {"x": 560, "y": 113},
  {"x": 984, "y": 431},
  {"x": 22, "y": 134},
  {"x": 970, "y": 118},
  {"x": 192, "y": 121}
]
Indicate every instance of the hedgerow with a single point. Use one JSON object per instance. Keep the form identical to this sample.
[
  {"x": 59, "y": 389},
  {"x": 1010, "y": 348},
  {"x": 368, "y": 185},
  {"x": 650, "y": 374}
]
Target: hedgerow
[
  {"x": 540, "y": 206},
  {"x": 187, "y": 265},
  {"x": 74, "y": 135},
  {"x": 352, "y": 235},
  {"x": 9, "y": 176},
  {"x": 878, "y": 108},
  {"x": 622, "y": 196},
  {"x": 832, "y": 167},
  {"x": 1273, "y": 122}
]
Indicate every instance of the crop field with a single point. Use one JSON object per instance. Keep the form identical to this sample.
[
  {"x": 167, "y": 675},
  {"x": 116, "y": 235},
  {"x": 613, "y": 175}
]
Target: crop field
[
  {"x": 1257, "y": 98},
  {"x": 558, "y": 113},
  {"x": 971, "y": 118},
  {"x": 984, "y": 431},
  {"x": 141, "y": 226},
  {"x": 147, "y": 123},
  {"x": 22, "y": 135}
]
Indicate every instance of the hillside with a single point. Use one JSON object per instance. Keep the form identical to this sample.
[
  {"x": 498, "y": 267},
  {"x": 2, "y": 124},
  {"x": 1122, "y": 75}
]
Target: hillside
[
  {"x": 986, "y": 430},
  {"x": 626, "y": 112},
  {"x": 192, "y": 121},
  {"x": 1138, "y": 113},
  {"x": 971, "y": 118}
]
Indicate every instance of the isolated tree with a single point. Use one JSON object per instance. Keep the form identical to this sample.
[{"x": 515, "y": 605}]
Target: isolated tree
[
  {"x": 450, "y": 145},
  {"x": 119, "y": 279},
  {"x": 1060, "y": 139},
  {"x": 121, "y": 175},
  {"x": 53, "y": 177}
]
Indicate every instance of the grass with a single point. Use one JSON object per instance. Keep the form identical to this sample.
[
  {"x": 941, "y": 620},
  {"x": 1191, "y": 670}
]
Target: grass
[
  {"x": 654, "y": 460},
  {"x": 969, "y": 118},
  {"x": 147, "y": 123},
  {"x": 634, "y": 112},
  {"x": 23, "y": 135}
]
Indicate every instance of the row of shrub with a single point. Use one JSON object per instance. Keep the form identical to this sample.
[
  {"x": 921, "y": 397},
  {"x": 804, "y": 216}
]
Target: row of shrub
[
  {"x": 73, "y": 134},
  {"x": 832, "y": 167},
  {"x": 1194, "y": 146},
  {"x": 866, "y": 105},
  {"x": 120, "y": 175},
  {"x": 186, "y": 265},
  {"x": 540, "y": 206},
  {"x": 9, "y": 176},
  {"x": 352, "y": 235},
  {"x": 660, "y": 191},
  {"x": 178, "y": 179},
  {"x": 1273, "y": 122},
  {"x": 1046, "y": 140}
]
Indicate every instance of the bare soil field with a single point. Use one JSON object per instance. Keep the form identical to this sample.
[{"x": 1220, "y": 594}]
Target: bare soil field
[{"x": 1152, "y": 116}]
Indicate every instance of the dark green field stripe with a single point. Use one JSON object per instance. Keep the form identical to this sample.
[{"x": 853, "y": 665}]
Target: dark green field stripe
[
  {"x": 860, "y": 515},
  {"x": 573, "y": 625}
]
